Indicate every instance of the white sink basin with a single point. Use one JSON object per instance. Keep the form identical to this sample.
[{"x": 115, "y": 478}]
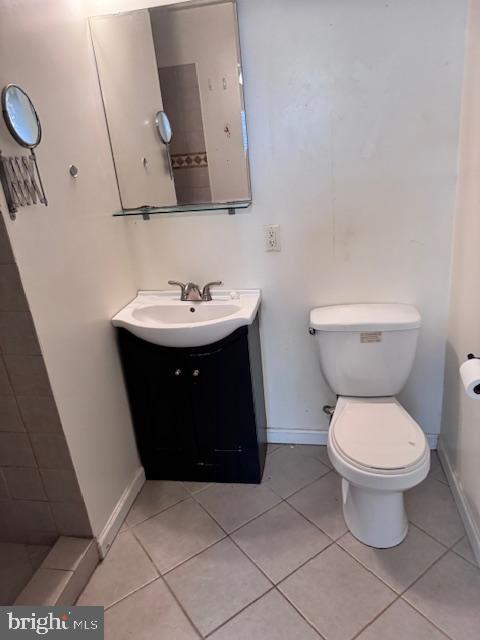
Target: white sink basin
[{"x": 161, "y": 318}]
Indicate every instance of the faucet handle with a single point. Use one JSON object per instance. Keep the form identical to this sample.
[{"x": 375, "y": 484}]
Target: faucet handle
[
  {"x": 206, "y": 295},
  {"x": 182, "y": 287}
]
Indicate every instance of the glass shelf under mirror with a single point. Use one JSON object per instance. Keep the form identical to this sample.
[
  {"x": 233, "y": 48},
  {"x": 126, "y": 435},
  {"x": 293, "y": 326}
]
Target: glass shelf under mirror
[{"x": 146, "y": 212}]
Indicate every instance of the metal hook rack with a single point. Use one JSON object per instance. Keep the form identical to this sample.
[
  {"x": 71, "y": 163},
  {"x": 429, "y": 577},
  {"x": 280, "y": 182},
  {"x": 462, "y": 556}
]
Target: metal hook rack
[{"x": 21, "y": 181}]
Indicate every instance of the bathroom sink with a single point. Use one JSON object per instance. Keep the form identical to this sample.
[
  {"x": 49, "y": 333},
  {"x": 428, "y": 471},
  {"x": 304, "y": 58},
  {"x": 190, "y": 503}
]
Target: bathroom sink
[{"x": 161, "y": 318}]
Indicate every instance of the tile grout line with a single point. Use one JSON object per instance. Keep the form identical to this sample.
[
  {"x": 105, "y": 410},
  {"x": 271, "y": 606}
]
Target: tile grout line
[
  {"x": 273, "y": 588},
  {"x": 177, "y": 600},
  {"x": 160, "y": 576},
  {"x": 227, "y": 536},
  {"x": 180, "y": 563},
  {"x": 244, "y": 524},
  {"x": 269, "y": 590},
  {"x": 402, "y": 593},
  {"x": 399, "y": 593},
  {"x": 182, "y": 608},
  {"x": 157, "y": 513},
  {"x": 130, "y": 593},
  {"x": 28, "y": 434},
  {"x": 308, "y": 484},
  {"x": 275, "y": 585},
  {"x": 192, "y": 495}
]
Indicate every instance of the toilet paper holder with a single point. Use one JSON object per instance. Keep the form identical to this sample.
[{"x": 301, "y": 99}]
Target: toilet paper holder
[{"x": 476, "y": 388}]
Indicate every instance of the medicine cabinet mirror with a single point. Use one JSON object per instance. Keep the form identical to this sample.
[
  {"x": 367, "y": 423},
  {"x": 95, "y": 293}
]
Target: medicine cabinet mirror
[{"x": 171, "y": 83}]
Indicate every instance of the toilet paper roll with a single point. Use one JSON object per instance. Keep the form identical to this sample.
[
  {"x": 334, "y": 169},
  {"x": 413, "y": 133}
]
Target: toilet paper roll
[{"x": 470, "y": 374}]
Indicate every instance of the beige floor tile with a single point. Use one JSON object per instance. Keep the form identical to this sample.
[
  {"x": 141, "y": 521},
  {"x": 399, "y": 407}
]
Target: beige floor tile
[
  {"x": 217, "y": 584},
  {"x": 401, "y": 622},
  {"x": 321, "y": 502},
  {"x": 449, "y": 595},
  {"x": 232, "y": 505},
  {"x": 430, "y": 505},
  {"x": 280, "y": 541},
  {"x": 151, "y": 613},
  {"x": 289, "y": 469},
  {"x": 336, "y": 594},
  {"x": 15, "y": 570},
  {"x": 436, "y": 469},
  {"x": 399, "y": 566},
  {"x": 272, "y": 446},
  {"x": 125, "y": 569},
  {"x": 195, "y": 487},
  {"x": 464, "y": 549},
  {"x": 155, "y": 496},
  {"x": 178, "y": 534},
  {"x": 270, "y": 618},
  {"x": 316, "y": 451}
]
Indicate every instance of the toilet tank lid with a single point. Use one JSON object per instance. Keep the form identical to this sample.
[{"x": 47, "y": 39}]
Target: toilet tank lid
[{"x": 366, "y": 317}]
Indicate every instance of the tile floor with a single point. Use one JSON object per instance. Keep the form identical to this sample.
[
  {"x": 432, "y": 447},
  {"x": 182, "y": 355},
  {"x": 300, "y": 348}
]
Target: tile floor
[
  {"x": 18, "y": 562},
  {"x": 276, "y": 562}
]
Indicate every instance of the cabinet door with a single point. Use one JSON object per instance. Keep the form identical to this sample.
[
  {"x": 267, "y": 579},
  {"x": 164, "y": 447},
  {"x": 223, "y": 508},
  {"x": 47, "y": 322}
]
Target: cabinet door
[
  {"x": 222, "y": 403},
  {"x": 169, "y": 409},
  {"x": 159, "y": 393}
]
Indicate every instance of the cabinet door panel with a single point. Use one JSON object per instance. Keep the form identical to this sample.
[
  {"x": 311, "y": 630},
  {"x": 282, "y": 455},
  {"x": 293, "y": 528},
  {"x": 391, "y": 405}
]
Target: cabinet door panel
[
  {"x": 221, "y": 396},
  {"x": 160, "y": 401}
]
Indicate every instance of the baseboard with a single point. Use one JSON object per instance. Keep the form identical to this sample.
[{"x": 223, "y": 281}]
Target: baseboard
[
  {"x": 313, "y": 436},
  {"x": 472, "y": 528},
  {"x": 120, "y": 511},
  {"x": 297, "y": 436}
]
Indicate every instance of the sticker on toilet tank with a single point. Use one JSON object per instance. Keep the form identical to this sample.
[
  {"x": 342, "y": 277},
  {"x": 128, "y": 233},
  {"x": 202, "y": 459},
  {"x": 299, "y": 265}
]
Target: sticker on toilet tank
[{"x": 371, "y": 336}]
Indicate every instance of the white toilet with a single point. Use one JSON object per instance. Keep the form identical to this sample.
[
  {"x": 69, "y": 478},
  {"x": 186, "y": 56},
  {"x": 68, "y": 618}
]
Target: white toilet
[{"x": 366, "y": 354}]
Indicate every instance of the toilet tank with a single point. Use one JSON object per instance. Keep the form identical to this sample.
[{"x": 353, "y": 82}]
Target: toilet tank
[{"x": 366, "y": 350}]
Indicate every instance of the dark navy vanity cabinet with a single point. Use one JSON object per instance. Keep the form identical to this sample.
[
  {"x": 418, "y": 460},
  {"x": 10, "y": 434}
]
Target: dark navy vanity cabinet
[{"x": 198, "y": 413}]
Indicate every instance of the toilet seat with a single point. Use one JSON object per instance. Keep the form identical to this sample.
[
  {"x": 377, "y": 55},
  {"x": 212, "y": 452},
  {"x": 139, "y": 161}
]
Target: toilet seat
[{"x": 378, "y": 435}]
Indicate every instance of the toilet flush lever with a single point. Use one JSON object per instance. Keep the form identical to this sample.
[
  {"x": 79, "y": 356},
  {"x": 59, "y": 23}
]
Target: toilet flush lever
[{"x": 311, "y": 331}]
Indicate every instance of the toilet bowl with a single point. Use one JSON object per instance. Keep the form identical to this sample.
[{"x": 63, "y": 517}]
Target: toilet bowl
[
  {"x": 366, "y": 354},
  {"x": 380, "y": 452}
]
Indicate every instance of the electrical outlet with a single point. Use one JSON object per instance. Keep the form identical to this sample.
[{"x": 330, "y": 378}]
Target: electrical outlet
[{"x": 272, "y": 237}]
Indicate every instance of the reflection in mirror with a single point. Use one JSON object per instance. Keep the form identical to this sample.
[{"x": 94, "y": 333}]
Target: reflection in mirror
[
  {"x": 20, "y": 116},
  {"x": 164, "y": 127},
  {"x": 172, "y": 88}
]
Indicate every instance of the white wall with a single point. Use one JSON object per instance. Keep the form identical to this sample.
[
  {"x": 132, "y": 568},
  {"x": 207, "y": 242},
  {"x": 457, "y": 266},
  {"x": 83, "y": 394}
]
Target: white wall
[
  {"x": 460, "y": 439},
  {"x": 353, "y": 111},
  {"x": 353, "y": 115},
  {"x": 73, "y": 256}
]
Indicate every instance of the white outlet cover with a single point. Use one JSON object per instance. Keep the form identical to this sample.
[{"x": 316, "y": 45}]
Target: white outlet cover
[{"x": 272, "y": 237}]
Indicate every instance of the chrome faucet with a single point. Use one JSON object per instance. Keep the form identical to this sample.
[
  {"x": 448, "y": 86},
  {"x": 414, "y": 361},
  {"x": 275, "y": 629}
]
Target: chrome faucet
[
  {"x": 206, "y": 295},
  {"x": 191, "y": 291}
]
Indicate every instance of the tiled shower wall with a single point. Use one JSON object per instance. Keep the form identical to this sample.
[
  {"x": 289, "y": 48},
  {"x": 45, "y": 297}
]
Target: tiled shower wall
[
  {"x": 39, "y": 494},
  {"x": 181, "y": 101}
]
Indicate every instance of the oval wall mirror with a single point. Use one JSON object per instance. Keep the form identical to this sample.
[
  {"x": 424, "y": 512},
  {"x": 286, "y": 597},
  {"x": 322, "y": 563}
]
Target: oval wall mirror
[
  {"x": 20, "y": 116},
  {"x": 164, "y": 127}
]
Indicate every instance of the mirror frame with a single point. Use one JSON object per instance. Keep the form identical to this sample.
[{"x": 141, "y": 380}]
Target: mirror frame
[{"x": 8, "y": 122}]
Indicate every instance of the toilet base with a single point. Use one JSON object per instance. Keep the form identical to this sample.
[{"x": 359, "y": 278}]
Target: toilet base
[{"x": 376, "y": 518}]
